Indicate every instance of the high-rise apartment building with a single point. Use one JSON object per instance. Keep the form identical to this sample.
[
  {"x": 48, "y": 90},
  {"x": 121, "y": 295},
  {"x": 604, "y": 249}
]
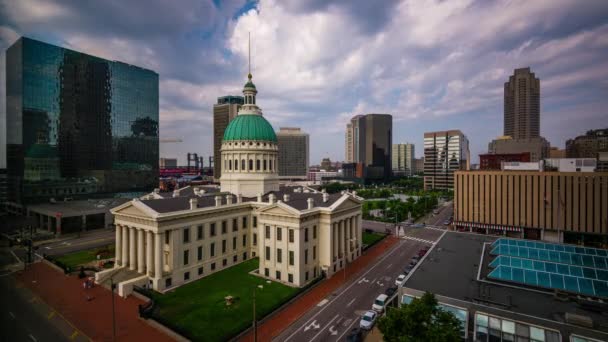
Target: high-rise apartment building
[
  {"x": 372, "y": 136},
  {"x": 403, "y": 159},
  {"x": 588, "y": 145},
  {"x": 522, "y": 105},
  {"x": 77, "y": 124},
  {"x": 444, "y": 153},
  {"x": 224, "y": 111},
  {"x": 167, "y": 163},
  {"x": 293, "y": 153}
]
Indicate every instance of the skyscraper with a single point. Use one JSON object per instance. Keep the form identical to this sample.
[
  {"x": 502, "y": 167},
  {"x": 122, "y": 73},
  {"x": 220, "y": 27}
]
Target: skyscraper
[
  {"x": 293, "y": 153},
  {"x": 522, "y": 105},
  {"x": 444, "y": 153},
  {"x": 224, "y": 111},
  {"x": 372, "y": 139},
  {"x": 403, "y": 159},
  {"x": 91, "y": 123}
]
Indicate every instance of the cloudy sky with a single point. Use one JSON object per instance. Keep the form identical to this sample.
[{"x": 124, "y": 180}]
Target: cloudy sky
[{"x": 433, "y": 65}]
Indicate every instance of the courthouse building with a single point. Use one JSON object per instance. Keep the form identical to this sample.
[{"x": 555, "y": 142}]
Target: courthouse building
[{"x": 164, "y": 240}]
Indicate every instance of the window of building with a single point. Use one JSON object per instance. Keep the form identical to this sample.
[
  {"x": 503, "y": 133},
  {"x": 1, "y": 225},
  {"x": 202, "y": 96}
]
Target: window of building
[
  {"x": 187, "y": 276},
  {"x": 199, "y": 232},
  {"x": 305, "y": 234},
  {"x": 235, "y": 225},
  {"x": 279, "y": 234},
  {"x": 291, "y": 258},
  {"x": 234, "y": 258},
  {"x": 305, "y": 256},
  {"x": 314, "y": 252},
  {"x": 223, "y": 246},
  {"x": 257, "y": 165},
  {"x": 267, "y": 253},
  {"x": 167, "y": 282},
  {"x": 279, "y": 255},
  {"x": 255, "y": 239},
  {"x": 212, "y": 229},
  {"x": 278, "y": 275},
  {"x": 270, "y": 164},
  {"x": 236, "y": 165},
  {"x": 243, "y": 166},
  {"x": 186, "y": 256},
  {"x": 244, "y": 256},
  {"x": 224, "y": 262},
  {"x": 167, "y": 237},
  {"x": 213, "y": 266},
  {"x": 255, "y": 222},
  {"x": 250, "y": 164},
  {"x": 186, "y": 235},
  {"x": 291, "y": 235},
  {"x": 200, "y": 270},
  {"x": 212, "y": 249},
  {"x": 230, "y": 165},
  {"x": 290, "y": 277},
  {"x": 266, "y": 272},
  {"x": 244, "y": 222},
  {"x": 224, "y": 224},
  {"x": 264, "y": 164},
  {"x": 199, "y": 253},
  {"x": 244, "y": 240},
  {"x": 268, "y": 232},
  {"x": 314, "y": 232},
  {"x": 234, "y": 243},
  {"x": 306, "y": 276}
]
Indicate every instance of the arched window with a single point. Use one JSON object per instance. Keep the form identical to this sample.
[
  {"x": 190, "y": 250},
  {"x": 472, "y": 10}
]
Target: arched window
[
  {"x": 243, "y": 165},
  {"x": 270, "y": 164},
  {"x": 264, "y": 164},
  {"x": 230, "y": 164},
  {"x": 236, "y": 164},
  {"x": 250, "y": 164},
  {"x": 257, "y": 165}
]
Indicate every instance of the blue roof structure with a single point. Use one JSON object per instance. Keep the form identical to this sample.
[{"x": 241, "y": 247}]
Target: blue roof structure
[{"x": 574, "y": 269}]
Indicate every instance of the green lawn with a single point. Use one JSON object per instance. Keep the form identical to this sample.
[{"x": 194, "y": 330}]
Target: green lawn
[
  {"x": 73, "y": 260},
  {"x": 370, "y": 238},
  {"x": 199, "y": 307}
]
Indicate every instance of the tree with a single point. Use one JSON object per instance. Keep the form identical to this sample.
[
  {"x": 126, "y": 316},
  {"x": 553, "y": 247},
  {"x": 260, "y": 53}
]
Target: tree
[{"x": 421, "y": 320}]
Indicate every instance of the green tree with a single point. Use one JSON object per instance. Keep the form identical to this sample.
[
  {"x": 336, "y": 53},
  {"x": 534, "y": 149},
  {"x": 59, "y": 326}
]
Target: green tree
[{"x": 421, "y": 320}]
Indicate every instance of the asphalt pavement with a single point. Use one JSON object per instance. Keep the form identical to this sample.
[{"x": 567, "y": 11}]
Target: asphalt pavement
[{"x": 74, "y": 243}]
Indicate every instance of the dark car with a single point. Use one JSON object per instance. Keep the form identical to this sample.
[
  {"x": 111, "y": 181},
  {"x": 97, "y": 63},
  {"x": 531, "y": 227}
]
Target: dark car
[
  {"x": 422, "y": 252},
  {"x": 408, "y": 269},
  {"x": 413, "y": 262},
  {"x": 355, "y": 335},
  {"x": 390, "y": 291}
]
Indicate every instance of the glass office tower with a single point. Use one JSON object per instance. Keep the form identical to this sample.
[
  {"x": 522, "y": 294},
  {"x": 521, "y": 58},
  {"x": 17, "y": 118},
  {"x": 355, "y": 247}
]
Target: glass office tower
[{"x": 77, "y": 125}]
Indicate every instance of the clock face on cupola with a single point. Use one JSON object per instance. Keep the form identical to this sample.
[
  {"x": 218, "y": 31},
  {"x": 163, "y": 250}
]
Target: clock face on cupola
[{"x": 249, "y": 150}]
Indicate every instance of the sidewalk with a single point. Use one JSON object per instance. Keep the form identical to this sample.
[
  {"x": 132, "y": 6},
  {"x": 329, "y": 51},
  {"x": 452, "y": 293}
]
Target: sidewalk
[
  {"x": 281, "y": 320},
  {"x": 66, "y": 295}
]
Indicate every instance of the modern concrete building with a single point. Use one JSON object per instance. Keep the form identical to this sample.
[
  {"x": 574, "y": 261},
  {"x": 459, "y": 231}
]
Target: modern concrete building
[
  {"x": 224, "y": 111},
  {"x": 550, "y": 307},
  {"x": 372, "y": 136},
  {"x": 538, "y": 147},
  {"x": 168, "y": 163},
  {"x": 522, "y": 105},
  {"x": 419, "y": 165},
  {"x": 552, "y": 206},
  {"x": 555, "y": 152},
  {"x": 294, "y": 156},
  {"x": 403, "y": 159},
  {"x": 444, "y": 153},
  {"x": 166, "y": 240},
  {"x": 588, "y": 145},
  {"x": 494, "y": 161},
  {"x": 77, "y": 125}
]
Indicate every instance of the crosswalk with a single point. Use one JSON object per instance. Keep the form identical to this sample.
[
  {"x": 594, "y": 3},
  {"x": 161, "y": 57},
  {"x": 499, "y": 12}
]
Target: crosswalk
[
  {"x": 435, "y": 228},
  {"x": 407, "y": 237}
]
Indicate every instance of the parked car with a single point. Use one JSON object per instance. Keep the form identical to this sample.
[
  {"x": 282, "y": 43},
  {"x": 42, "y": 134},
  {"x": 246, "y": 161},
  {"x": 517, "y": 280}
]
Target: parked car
[
  {"x": 355, "y": 335},
  {"x": 379, "y": 303},
  {"x": 400, "y": 279},
  {"x": 408, "y": 269},
  {"x": 422, "y": 252},
  {"x": 413, "y": 262},
  {"x": 390, "y": 291},
  {"x": 368, "y": 319},
  {"x": 416, "y": 257}
]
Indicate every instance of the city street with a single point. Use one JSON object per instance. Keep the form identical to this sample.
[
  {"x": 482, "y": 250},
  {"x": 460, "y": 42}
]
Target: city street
[{"x": 92, "y": 239}]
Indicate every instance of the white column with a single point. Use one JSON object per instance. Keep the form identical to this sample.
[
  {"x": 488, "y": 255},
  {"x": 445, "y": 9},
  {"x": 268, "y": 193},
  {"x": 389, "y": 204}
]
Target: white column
[
  {"x": 342, "y": 238},
  {"x": 158, "y": 256},
  {"x": 125, "y": 246},
  {"x": 334, "y": 232},
  {"x": 118, "y": 249},
  {"x": 149, "y": 255},
  {"x": 348, "y": 242},
  {"x": 132, "y": 250},
  {"x": 140, "y": 251}
]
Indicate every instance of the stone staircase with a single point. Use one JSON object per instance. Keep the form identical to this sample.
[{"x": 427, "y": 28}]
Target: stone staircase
[{"x": 123, "y": 278}]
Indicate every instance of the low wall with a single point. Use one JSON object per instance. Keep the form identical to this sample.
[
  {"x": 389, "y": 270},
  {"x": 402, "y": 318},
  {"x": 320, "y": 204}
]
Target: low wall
[{"x": 125, "y": 288}]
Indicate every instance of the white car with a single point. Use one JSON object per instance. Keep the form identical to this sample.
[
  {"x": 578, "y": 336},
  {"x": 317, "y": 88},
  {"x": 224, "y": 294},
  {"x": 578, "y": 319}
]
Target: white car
[
  {"x": 379, "y": 303},
  {"x": 400, "y": 279},
  {"x": 367, "y": 320}
]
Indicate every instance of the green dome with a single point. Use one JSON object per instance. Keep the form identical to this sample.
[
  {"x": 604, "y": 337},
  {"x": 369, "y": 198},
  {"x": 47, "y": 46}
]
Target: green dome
[
  {"x": 249, "y": 127},
  {"x": 41, "y": 151},
  {"x": 249, "y": 84}
]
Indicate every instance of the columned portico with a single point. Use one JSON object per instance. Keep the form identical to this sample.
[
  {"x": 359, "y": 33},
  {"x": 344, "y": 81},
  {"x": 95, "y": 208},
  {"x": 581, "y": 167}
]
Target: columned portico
[
  {"x": 149, "y": 253},
  {"x": 141, "y": 267},
  {"x": 125, "y": 246},
  {"x": 132, "y": 250},
  {"x": 118, "y": 248},
  {"x": 158, "y": 256}
]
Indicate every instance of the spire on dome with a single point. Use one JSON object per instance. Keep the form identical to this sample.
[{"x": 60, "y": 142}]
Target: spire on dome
[{"x": 249, "y": 64}]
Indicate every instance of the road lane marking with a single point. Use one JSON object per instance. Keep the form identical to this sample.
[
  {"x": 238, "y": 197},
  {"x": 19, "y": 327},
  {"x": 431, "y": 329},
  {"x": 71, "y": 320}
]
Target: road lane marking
[
  {"x": 33, "y": 338},
  {"x": 418, "y": 239},
  {"x": 347, "y": 329},
  {"x": 319, "y": 333},
  {"x": 313, "y": 325},
  {"x": 323, "y": 302},
  {"x": 351, "y": 302},
  {"x": 51, "y": 315},
  {"x": 11, "y": 314},
  {"x": 395, "y": 248},
  {"x": 74, "y": 334},
  {"x": 389, "y": 266},
  {"x": 15, "y": 255},
  {"x": 363, "y": 280},
  {"x": 332, "y": 331},
  {"x": 373, "y": 281}
]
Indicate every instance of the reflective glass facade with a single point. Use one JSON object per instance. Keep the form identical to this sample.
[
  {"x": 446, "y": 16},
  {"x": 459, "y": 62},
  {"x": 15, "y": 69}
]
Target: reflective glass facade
[
  {"x": 444, "y": 153},
  {"x": 78, "y": 124}
]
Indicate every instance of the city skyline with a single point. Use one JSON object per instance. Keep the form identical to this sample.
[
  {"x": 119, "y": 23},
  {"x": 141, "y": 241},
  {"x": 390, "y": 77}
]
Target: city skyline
[{"x": 438, "y": 73}]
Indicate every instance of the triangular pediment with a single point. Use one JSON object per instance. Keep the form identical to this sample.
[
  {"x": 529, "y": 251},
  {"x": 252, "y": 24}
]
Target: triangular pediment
[
  {"x": 132, "y": 209},
  {"x": 279, "y": 209},
  {"x": 346, "y": 202}
]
